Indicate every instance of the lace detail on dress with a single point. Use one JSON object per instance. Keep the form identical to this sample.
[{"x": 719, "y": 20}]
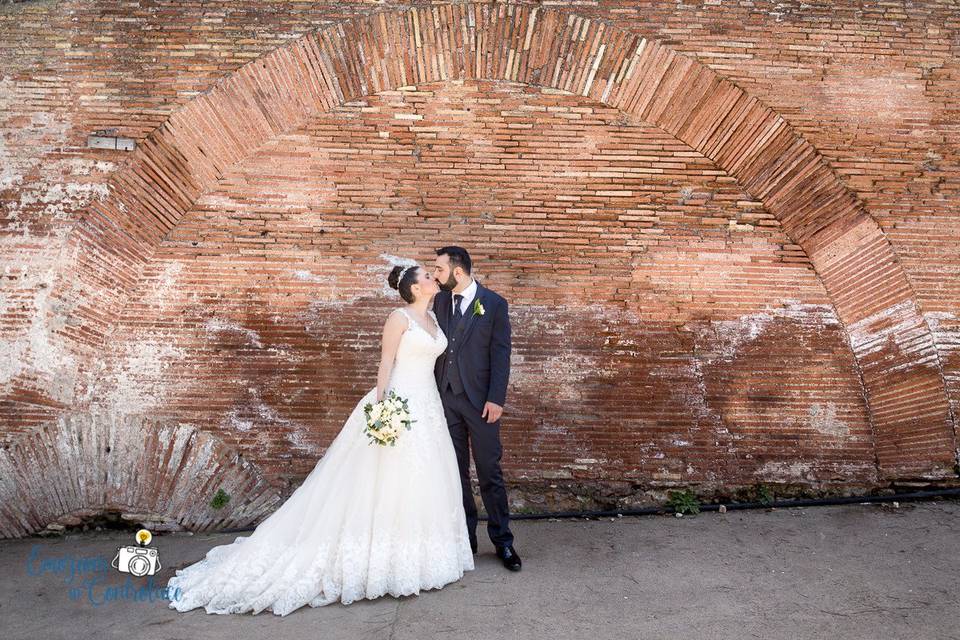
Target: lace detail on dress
[
  {"x": 414, "y": 323},
  {"x": 367, "y": 521}
]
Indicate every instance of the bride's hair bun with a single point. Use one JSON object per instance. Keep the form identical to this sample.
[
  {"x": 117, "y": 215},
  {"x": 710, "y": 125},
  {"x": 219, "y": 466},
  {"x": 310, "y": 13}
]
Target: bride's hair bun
[
  {"x": 394, "y": 278},
  {"x": 403, "y": 284}
]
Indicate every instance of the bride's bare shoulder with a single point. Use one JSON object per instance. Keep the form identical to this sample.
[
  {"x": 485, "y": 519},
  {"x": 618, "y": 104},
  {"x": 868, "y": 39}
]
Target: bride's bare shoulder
[{"x": 397, "y": 318}]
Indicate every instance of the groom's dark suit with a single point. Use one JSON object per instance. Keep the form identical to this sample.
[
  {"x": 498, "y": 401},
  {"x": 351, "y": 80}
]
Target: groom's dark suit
[{"x": 475, "y": 369}]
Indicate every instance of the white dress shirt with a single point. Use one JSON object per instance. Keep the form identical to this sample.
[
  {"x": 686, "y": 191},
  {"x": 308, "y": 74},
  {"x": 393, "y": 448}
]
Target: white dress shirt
[{"x": 468, "y": 295}]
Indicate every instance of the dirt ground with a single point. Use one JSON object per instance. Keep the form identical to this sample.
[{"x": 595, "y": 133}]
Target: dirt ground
[{"x": 867, "y": 571}]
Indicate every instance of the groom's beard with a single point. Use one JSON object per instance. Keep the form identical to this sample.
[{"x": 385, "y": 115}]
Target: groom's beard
[{"x": 450, "y": 284}]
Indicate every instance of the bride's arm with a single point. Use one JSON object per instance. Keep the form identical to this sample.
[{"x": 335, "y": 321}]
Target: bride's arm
[{"x": 393, "y": 328}]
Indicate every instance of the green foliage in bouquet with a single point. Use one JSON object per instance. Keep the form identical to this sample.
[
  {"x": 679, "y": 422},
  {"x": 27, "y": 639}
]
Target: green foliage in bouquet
[{"x": 379, "y": 430}]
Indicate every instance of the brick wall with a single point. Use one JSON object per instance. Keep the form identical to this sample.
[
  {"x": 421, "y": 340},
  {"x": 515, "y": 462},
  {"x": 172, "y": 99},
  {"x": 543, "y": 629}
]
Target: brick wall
[{"x": 728, "y": 235}]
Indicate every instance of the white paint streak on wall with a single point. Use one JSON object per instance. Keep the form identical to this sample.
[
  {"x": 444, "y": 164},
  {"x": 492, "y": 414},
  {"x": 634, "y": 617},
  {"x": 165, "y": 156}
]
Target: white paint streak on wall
[
  {"x": 823, "y": 418},
  {"x": 138, "y": 383},
  {"x": 31, "y": 263},
  {"x": 945, "y": 327},
  {"x": 54, "y": 203},
  {"x": 307, "y": 276},
  {"x": 731, "y": 335},
  {"x": 41, "y": 135},
  {"x": 33, "y": 348},
  {"x": 167, "y": 284},
  {"x": 723, "y": 340},
  {"x": 215, "y": 325},
  {"x": 777, "y": 471},
  {"x": 255, "y": 416},
  {"x": 568, "y": 370},
  {"x": 331, "y": 294},
  {"x": 898, "y": 328}
]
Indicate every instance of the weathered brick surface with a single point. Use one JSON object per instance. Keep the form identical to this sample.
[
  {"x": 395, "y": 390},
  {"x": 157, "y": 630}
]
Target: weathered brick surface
[{"x": 728, "y": 235}]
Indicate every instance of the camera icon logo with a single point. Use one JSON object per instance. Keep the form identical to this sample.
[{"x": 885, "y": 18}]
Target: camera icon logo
[{"x": 138, "y": 560}]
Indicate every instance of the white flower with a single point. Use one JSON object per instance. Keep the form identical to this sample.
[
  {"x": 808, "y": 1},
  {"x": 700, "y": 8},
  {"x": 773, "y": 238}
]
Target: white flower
[{"x": 393, "y": 417}]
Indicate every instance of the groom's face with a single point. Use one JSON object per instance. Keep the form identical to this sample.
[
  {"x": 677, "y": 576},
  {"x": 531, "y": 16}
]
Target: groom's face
[{"x": 443, "y": 274}]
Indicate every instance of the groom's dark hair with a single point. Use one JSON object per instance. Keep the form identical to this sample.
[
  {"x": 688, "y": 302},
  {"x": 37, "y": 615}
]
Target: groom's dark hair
[{"x": 458, "y": 256}]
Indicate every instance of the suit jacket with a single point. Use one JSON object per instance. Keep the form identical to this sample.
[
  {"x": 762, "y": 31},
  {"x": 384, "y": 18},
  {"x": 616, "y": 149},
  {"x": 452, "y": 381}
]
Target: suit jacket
[{"x": 481, "y": 347}]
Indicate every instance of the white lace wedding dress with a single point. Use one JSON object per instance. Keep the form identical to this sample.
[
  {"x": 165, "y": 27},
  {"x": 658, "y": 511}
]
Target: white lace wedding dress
[{"x": 367, "y": 521}]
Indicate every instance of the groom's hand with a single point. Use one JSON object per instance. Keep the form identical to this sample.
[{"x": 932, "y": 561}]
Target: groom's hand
[{"x": 492, "y": 411}]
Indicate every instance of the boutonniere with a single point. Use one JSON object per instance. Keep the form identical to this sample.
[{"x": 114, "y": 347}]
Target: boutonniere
[{"x": 478, "y": 309}]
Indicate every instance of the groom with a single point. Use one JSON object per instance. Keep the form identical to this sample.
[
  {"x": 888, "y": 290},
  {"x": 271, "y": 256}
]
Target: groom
[{"x": 472, "y": 377}]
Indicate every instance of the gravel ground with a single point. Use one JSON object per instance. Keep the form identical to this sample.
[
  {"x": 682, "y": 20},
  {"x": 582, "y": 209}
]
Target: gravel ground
[{"x": 867, "y": 571}]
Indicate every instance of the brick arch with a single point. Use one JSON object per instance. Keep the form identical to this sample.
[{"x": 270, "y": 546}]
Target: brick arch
[
  {"x": 186, "y": 156},
  {"x": 150, "y": 471}
]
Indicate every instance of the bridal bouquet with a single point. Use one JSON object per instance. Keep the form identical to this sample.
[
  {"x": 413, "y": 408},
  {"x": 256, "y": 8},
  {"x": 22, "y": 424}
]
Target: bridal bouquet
[{"x": 386, "y": 419}]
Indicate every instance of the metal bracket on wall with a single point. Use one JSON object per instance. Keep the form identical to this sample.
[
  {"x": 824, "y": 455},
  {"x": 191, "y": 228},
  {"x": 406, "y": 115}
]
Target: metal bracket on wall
[{"x": 108, "y": 139}]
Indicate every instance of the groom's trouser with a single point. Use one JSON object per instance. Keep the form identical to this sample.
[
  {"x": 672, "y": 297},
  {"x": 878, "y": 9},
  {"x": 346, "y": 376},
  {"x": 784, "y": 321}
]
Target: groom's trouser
[{"x": 464, "y": 419}]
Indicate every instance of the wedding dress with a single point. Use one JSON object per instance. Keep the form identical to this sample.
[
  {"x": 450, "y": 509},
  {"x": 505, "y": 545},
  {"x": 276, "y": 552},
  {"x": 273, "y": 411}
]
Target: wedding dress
[{"x": 368, "y": 520}]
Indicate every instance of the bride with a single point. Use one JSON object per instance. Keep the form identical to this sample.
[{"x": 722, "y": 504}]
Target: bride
[{"x": 369, "y": 519}]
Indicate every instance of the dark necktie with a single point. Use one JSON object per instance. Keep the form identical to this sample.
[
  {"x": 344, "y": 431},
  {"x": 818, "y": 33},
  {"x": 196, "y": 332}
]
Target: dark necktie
[{"x": 457, "y": 313}]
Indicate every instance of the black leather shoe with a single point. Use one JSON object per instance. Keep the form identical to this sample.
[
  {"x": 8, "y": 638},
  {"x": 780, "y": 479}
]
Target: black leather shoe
[{"x": 510, "y": 558}]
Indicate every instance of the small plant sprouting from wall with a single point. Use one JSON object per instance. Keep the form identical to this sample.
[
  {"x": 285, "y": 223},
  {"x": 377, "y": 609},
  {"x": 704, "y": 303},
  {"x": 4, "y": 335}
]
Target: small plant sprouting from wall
[
  {"x": 683, "y": 502},
  {"x": 764, "y": 495},
  {"x": 220, "y": 499}
]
